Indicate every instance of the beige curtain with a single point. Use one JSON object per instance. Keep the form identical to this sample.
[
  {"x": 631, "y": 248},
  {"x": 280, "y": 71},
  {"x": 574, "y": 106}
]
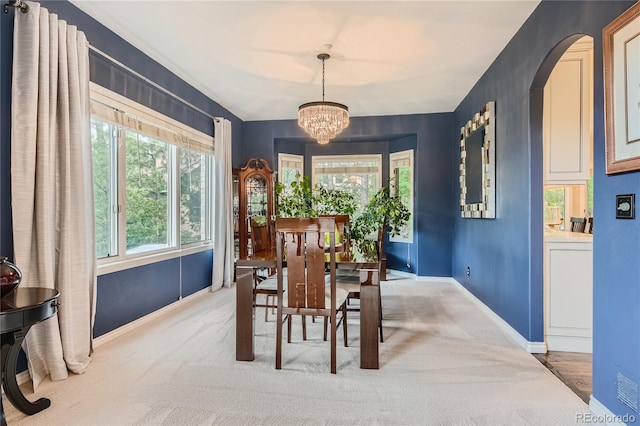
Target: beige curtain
[
  {"x": 223, "y": 201},
  {"x": 52, "y": 187}
]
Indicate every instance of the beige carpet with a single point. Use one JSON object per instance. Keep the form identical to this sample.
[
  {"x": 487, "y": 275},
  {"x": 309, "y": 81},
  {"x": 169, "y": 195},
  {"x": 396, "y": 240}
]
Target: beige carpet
[{"x": 443, "y": 362}]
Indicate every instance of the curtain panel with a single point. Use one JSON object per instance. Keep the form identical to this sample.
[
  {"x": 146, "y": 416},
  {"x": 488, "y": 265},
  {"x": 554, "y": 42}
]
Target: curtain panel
[
  {"x": 52, "y": 187},
  {"x": 223, "y": 202}
]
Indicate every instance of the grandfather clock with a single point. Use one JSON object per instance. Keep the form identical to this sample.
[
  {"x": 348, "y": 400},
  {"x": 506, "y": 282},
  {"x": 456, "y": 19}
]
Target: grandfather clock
[{"x": 253, "y": 196}]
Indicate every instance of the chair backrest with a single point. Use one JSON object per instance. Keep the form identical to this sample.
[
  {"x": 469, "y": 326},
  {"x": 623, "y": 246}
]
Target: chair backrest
[
  {"x": 301, "y": 242},
  {"x": 260, "y": 238},
  {"x": 590, "y": 222},
  {"x": 578, "y": 224},
  {"x": 343, "y": 222}
]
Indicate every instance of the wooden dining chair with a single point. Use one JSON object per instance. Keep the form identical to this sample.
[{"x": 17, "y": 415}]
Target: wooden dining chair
[
  {"x": 578, "y": 224},
  {"x": 264, "y": 282},
  {"x": 343, "y": 239},
  {"x": 350, "y": 280},
  {"x": 302, "y": 291},
  {"x": 343, "y": 242}
]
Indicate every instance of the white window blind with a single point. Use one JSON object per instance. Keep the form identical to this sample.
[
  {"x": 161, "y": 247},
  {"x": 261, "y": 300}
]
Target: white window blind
[{"x": 118, "y": 110}]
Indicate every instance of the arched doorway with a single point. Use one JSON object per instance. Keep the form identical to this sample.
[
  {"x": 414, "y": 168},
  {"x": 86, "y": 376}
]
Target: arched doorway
[{"x": 562, "y": 170}]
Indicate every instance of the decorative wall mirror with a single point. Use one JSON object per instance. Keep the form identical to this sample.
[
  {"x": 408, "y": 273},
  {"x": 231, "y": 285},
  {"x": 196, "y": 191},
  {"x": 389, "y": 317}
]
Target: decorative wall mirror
[{"x": 478, "y": 165}]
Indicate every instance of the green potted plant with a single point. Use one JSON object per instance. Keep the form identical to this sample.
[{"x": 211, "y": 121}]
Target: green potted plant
[
  {"x": 301, "y": 200},
  {"x": 334, "y": 201},
  {"x": 384, "y": 213},
  {"x": 296, "y": 201}
]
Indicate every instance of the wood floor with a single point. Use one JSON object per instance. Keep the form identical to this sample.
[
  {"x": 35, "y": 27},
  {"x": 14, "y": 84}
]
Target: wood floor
[{"x": 573, "y": 368}]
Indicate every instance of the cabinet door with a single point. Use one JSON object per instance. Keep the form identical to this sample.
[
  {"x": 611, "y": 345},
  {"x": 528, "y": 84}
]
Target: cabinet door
[
  {"x": 255, "y": 186},
  {"x": 567, "y": 120},
  {"x": 236, "y": 217},
  {"x": 568, "y": 296},
  {"x": 257, "y": 190}
]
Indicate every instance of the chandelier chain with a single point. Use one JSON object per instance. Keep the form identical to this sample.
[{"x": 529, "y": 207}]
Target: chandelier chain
[{"x": 322, "y": 79}]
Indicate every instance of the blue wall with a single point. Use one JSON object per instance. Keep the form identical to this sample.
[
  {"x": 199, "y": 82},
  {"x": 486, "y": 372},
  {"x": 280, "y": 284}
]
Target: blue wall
[
  {"x": 434, "y": 141},
  {"x": 505, "y": 254},
  {"x": 126, "y": 295}
]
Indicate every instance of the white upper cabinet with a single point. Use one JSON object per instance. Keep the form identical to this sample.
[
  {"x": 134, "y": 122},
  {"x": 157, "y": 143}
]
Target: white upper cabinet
[{"x": 567, "y": 118}]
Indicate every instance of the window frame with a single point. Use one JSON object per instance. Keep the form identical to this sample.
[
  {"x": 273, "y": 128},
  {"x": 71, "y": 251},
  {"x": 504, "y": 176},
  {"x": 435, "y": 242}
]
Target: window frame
[
  {"x": 395, "y": 157},
  {"x": 285, "y": 157},
  {"x": 315, "y": 159},
  {"x": 184, "y": 137}
]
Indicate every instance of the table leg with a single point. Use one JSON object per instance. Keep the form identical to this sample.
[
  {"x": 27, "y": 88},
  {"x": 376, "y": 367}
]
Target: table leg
[
  {"x": 244, "y": 314},
  {"x": 11, "y": 343},
  {"x": 369, "y": 319}
]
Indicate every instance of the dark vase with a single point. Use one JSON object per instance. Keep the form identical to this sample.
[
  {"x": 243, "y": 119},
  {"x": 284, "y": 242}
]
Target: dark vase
[{"x": 10, "y": 276}]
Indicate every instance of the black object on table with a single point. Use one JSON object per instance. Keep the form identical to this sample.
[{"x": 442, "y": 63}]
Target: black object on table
[{"x": 20, "y": 310}]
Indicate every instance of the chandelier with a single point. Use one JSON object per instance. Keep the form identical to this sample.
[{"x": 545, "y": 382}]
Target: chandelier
[{"x": 320, "y": 119}]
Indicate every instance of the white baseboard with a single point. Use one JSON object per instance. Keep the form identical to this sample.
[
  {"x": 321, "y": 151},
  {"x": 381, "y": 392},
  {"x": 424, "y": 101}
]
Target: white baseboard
[
  {"x": 531, "y": 347},
  {"x": 405, "y": 274},
  {"x": 434, "y": 279},
  {"x": 570, "y": 344},
  {"x": 107, "y": 337},
  {"x": 24, "y": 376},
  {"x": 603, "y": 415},
  {"x": 402, "y": 274}
]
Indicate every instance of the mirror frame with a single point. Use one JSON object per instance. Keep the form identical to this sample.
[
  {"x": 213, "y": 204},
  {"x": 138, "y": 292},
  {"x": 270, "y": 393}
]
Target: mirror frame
[{"x": 487, "y": 208}]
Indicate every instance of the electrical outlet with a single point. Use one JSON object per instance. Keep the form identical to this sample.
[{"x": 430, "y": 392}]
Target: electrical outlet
[{"x": 468, "y": 271}]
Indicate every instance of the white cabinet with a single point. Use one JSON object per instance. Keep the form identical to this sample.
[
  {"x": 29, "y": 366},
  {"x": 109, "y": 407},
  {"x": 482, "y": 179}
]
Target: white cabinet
[
  {"x": 568, "y": 292},
  {"x": 567, "y": 119}
]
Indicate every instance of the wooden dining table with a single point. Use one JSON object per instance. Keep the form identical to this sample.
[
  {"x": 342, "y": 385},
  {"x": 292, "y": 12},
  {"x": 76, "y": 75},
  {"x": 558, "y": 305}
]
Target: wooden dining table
[{"x": 369, "y": 302}]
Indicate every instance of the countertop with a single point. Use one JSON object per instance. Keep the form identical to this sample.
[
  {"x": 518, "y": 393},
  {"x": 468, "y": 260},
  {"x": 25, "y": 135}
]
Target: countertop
[{"x": 552, "y": 235}]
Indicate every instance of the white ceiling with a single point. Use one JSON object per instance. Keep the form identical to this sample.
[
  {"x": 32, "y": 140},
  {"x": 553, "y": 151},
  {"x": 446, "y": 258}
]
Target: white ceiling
[{"x": 258, "y": 58}]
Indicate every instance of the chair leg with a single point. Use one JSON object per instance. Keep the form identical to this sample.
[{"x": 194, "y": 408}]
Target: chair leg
[
  {"x": 279, "y": 341},
  {"x": 380, "y": 311},
  {"x": 326, "y": 325},
  {"x": 380, "y": 299},
  {"x": 304, "y": 327},
  {"x": 266, "y": 308},
  {"x": 344, "y": 324},
  {"x": 289, "y": 329},
  {"x": 333, "y": 342}
]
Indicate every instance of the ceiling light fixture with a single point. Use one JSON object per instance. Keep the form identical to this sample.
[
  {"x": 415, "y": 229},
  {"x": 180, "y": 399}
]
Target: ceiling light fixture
[{"x": 320, "y": 119}]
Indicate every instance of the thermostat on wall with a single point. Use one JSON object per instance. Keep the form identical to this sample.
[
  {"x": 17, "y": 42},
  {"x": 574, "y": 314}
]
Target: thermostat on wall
[{"x": 625, "y": 206}]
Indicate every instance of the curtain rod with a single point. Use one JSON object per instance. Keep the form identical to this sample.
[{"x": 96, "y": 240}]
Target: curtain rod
[
  {"x": 17, "y": 4},
  {"x": 153, "y": 83}
]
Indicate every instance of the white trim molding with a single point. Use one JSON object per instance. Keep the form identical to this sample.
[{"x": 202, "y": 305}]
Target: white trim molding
[
  {"x": 107, "y": 337},
  {"x": 24, "y": 377},
  {"x": 531, "y": 347},
  {"x": 432, "y": 279},
  {"x": 602, "y": 415}
]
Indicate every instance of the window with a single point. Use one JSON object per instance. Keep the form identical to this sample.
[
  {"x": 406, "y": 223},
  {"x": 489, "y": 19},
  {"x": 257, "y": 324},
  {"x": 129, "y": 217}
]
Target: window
[
  {"x": 289, "y": 165},
  {"x": 563, "y": 202},
  {"x": 104, "y": 154},
  {"x": 148, "y": 188},
  {"x": 401, "y": 175},
  {"x": 196, "y": 174},
  {"x": 358, "y": 174},
  {"x": 153, "y": 181}
]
